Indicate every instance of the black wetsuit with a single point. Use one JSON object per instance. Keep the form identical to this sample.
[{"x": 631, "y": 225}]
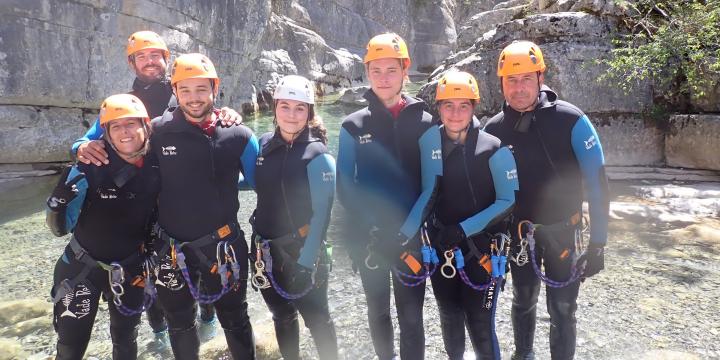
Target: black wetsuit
[
  {"x": 387, "y": 170},
  {"x": 295, "y": 191},
  {"x": 110, "y": 219},
  {"x": 198, "y": 198},
  {"x": 558, "y": 155},
  {"x": 477, "y": 192}
]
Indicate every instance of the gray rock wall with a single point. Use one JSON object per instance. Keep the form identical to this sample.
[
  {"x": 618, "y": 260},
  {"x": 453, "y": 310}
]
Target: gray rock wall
[
  {"x": 63, "y": 57},
  {"x": 693, "y": 142}
]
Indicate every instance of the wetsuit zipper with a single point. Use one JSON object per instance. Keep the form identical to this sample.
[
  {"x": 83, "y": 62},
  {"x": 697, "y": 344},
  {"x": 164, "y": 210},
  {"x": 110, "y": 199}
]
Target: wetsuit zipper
[
  {"x": 467, "y": 175},
  {"x": 284, "y": 192}
]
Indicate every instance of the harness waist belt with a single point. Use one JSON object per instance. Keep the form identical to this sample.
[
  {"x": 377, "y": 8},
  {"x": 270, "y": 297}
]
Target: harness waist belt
[{"x": 68, "y": 285}]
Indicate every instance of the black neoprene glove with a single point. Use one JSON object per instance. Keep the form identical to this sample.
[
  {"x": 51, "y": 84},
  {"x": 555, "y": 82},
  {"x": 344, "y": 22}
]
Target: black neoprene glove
[
  {"x": 300, "y": 277},
  {"x": 593, "y": 260},
  {"x": 64, "y": 192}
]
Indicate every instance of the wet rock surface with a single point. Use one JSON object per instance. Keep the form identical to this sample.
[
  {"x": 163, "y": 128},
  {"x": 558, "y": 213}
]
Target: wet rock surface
[{"x": 656, "y": 299}]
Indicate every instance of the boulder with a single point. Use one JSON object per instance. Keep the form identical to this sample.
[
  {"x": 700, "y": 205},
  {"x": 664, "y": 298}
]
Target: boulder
[
  {"x": 39, "y": 134},
  {"x": 570, "y": 42},
  {"x": 693, "y": 141},
  {"x": 353, "y": 96},
  {"x": 629, "y": 140},
  {"x": 15, "y": 311},
  {"x": 483, "y": 22}
]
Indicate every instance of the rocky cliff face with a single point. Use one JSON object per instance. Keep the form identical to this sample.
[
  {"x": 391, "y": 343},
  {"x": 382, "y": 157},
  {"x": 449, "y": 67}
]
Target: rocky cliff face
[
  {"x": 572, "y": 35},
  {"x": 60, "y": 58}
]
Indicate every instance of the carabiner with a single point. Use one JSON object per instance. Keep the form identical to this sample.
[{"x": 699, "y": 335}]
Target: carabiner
[
  {"x": 219, "y": 253},
  {"x": 449, "y": 255},
  {"x": 230, "y": 253},
  {"x": 367, "y": 260}
]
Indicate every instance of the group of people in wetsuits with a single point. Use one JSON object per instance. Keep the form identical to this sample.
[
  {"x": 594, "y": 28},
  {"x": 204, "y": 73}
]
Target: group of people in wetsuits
[{"x": 152, "y": 207}]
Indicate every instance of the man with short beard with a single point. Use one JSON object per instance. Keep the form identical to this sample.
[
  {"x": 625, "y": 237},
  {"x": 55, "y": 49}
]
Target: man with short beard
[
  {"x": 147, "y": 56},
  {"x": 198, "y": 232}
]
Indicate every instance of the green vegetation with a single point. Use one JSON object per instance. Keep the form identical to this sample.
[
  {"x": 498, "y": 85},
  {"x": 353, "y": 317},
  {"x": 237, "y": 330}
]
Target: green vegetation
[{"x": 676, "y": 44}]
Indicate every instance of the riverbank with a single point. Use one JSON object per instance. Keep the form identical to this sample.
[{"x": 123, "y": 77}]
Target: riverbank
[{"x": 656, "y": 299}]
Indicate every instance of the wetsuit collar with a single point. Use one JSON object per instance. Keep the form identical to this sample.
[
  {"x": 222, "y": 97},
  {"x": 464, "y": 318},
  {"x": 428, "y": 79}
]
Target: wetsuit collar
[
  {"x": 139, "y": 85},
  {"x": 374, "y": 103},
  {"x": 121, "y": 170},
  {"x": 277, "y": 140},
  {"x": 448, "y": 144},
  {"x": 179, "y": 123}
]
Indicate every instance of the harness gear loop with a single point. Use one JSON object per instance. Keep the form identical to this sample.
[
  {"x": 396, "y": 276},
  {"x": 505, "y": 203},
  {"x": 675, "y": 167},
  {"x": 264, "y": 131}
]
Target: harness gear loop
[
  {"x": 449, "y": 256},
  {"x": 575, "y": 273},
  {"x": 267, "y": 258}
]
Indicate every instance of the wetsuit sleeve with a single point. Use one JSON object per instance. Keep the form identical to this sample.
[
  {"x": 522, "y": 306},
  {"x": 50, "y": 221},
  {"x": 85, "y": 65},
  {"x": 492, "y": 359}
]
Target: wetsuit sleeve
[
  {"x": 431, "y": 169},
  {"x": 63, "y": 219},
  {"x": 504, "y": 175},
  {"x": 589, "y": 154},
  {"x": 346, "y": 163},
  {"x": 94, "y": 133},
  {"x": 248, "y": 160},
  {"x": 321, "y": 177}
]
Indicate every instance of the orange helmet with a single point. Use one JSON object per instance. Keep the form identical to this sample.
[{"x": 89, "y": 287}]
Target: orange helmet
[
  {"x": 122, "y": 106},
  {"x": 457, "y": 85},
  {"x": 193, "y": 66},
  {"x": 146, "y": 40},
  {"x": 388, "y": 45},
  {"x": 520, "y": 57}
]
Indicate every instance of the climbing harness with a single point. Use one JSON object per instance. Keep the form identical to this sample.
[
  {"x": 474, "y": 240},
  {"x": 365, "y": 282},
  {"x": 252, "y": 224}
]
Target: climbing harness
[
  {"x": 430, "y": 262},
  {"x": 499, "y": 250},
  {"x": 225, "y": 263},
  {"x": 116, "y": 278},
  {"x": 264, "y": 262},
  {"x": 529, "y": 243}
]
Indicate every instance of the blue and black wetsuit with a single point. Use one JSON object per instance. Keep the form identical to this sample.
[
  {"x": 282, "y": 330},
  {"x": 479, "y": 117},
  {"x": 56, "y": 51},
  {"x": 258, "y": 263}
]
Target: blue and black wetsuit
[
  {"x": 558, "y": 155},
  {"x": 387, "y": 173},
  {"x": 295, "y": 191},
  {"x": 110, "y": 219},
  {"x": 199, "y": 199},
  {"x": 156, "y": 97},
  {"x": 477, "y": 191}
]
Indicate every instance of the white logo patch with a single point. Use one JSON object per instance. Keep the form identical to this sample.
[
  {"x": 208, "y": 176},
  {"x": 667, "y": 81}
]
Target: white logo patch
[
  {"x": 365, "y": 139},
  {"x": 437, "y": 154},
  {"x": 107, "y": 194},
  {"x": 328, "y": 176},
  {"x": 590, "y": 142},
  {"x": 259, "y": 161},
  {"x": 79, "y": 299},
  {"x": 512, "y": 174},
  {"x": 169, "y": 150}
]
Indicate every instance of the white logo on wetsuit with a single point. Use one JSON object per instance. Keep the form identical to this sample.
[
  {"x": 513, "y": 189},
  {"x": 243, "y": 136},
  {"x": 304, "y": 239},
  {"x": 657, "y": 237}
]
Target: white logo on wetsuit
[
  {"x": 512, "y": 174},
  {"x": 437, "y": 154},
  {"x": 169, "y": 150},
  {"x": 79, "y": 298},
  {"x": 365, "y": 139},
  {"x": 109, "y": 194},
  {"x": 590, "y": 142},
  {"x": 259, "y": 161},
  {"x": 328, "y": 176}
]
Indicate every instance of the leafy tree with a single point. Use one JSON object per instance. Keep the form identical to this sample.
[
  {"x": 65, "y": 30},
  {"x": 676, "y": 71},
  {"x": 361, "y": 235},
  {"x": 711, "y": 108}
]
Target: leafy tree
[{"x": 676, "y": 44}]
